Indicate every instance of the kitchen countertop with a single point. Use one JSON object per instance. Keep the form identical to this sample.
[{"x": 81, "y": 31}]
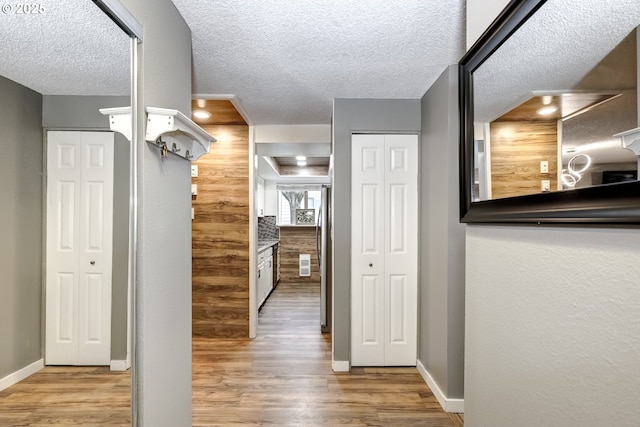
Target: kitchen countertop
[{"x": 266, "y": 244}]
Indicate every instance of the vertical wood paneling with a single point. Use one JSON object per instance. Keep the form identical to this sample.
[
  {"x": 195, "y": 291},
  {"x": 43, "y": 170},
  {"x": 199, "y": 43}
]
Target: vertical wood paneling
[
  {"x": 516, "y": 151},
  {"x": 221, "y": 236},
  {"x": 293, "y": 242}
]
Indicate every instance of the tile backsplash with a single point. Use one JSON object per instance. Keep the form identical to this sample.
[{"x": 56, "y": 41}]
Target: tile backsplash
[{"x": 267, "y": 228}]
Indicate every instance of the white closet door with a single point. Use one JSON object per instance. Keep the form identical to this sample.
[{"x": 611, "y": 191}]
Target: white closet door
[
  {"x": 79, "y": 248},
  {"x": 384, "y": 250},
  {"x": 367, "y": 250},
  {"x": 401, "y": 249}
]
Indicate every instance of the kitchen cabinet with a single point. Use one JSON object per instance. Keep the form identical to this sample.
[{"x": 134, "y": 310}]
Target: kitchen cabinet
[
  {"x": 260, "y": 197},
  {"x": 276, "y": 264},
  {"x": 265, "y": 275},
  {"x": 270, "y": 198},
  {"x": 268, "y": 272}
]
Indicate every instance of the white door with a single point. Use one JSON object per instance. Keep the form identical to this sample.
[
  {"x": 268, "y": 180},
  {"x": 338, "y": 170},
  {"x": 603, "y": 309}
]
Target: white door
[
  {"x": 79, "y": 248},
  {"x": 384, "y": 250}
]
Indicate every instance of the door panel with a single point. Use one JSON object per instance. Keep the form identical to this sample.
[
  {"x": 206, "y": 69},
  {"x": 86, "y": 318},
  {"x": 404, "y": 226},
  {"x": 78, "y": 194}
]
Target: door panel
[
  {"x": 398, "y": 218},
  {"x": 384, "y": 247},
  {"x": 397, "y": 309},
  {"x": 367, "y": 266},
  {"x": 66, "y": 216},
  {"x": 79, "y": 247},
  {"x": 371, "y": 234},
  {"x": 65, "y": 292},
  {"x": 401, "y": 255}
]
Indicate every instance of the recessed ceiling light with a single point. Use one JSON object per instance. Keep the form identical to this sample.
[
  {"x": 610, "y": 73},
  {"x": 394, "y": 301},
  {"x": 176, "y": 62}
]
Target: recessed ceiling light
[
  {"x": 201, "y": 114},
  {"x": 302, "y": 163},
  {"x": 545, "y": 111},
  {"x": 301, "y": 158}
]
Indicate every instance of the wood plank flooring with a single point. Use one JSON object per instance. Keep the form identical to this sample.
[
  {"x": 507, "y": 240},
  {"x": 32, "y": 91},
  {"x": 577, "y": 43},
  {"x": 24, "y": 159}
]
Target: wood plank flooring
[
  {"x": 69, "y": 397},
  {"x": 284, "y": 377}
]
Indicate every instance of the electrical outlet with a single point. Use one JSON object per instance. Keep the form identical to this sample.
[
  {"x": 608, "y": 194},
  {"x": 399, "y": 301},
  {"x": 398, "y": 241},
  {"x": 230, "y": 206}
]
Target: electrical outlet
[
  {"x": 194, "y": 171},
  {"x": 544, "y": 166},
  {"x": 545, "y": 185},
  {"x": 194, "y": 189}
]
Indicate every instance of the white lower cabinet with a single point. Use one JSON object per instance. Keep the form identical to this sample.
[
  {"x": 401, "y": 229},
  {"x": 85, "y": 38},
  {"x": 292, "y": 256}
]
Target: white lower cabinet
[{"x": 265, "y": 274}]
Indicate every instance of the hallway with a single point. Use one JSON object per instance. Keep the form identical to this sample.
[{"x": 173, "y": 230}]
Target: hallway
[{"x": 284, "y": 377}]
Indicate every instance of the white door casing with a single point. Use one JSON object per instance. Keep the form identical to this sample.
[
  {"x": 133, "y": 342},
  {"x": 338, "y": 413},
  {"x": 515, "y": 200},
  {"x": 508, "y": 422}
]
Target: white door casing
[
  {"x": 384, "y": 250},
  {"x": 79, "y": 247}
]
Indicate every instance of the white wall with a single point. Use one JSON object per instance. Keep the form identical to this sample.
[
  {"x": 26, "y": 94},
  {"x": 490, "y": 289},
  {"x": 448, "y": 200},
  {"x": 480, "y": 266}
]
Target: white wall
[{"x": 552, "y": 323}]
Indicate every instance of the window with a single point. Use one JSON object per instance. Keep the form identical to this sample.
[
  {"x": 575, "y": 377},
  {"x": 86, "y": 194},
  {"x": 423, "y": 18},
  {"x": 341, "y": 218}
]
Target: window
[{"x": 304, "y": 197}]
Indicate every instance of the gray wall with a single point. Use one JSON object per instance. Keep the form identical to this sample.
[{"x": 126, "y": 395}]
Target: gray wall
[
  {"x": 552, "y": 327},
  {"x": 552, "y": 321},
  {"x": 20, "y": 227},
  {"x": 442, "y": 239},
  {"x": 81, "y": 112},
  {"x": 356, "y": 115},
  {"x": 78, "y": 112},
  {"x": 163, "y": 319}
]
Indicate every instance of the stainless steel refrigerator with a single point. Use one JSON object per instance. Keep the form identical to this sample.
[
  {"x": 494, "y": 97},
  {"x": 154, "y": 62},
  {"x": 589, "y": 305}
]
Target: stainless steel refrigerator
[{"x": 323, "y": 246}]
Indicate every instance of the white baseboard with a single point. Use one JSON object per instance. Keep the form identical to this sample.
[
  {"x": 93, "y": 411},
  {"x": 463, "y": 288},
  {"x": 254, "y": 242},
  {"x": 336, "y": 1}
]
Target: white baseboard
[
  {"x": 120, "y": 365},
  {"x": 21, "y": 374},
  {"x": 340, "y": 365},
  {"x": 448, "y": 405}
]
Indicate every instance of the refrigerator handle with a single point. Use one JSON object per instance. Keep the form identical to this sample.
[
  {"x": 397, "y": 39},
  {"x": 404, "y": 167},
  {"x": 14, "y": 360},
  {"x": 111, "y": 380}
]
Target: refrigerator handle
[{"x": 318, "y": 229}]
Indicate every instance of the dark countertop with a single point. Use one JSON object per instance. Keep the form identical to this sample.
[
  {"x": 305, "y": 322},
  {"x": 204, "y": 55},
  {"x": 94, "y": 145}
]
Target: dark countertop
[{"x": 266, "y": 244}]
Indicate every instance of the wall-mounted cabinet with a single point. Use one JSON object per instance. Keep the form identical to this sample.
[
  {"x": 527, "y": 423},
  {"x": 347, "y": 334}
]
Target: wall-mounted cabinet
[
  {"x": 260, "y": 197},
  {"x": 270, "y": 198}
]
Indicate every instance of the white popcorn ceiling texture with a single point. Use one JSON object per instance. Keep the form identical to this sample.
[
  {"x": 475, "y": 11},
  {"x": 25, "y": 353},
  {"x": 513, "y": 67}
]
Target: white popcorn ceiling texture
[
  {"x": 72, "y": 48},
  {"x": 557, "y": 50},
  {"x": 287, "y": 60},
  {"x": 554, "y": 50}
]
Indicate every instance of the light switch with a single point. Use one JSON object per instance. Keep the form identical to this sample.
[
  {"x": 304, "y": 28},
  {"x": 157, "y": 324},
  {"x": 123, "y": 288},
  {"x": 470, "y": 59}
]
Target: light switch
[
  {"x": 194, "y": 189},
  {"x": 545, "y": 185},
  {"x": 194, "y": 171},
  {"x": 193, "y": 213},
  {"x": 544, "y": 166}
]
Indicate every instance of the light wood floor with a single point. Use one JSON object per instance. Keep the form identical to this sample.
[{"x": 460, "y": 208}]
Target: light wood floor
[
  {"x": 282, "y": 378},
  {"x": 69, "y": 397}
]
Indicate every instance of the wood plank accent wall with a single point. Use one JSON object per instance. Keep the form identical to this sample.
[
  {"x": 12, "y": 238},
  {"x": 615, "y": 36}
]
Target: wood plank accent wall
[
  {"x": 293, "y": 242},
  {"x": 221, "y": 236},
  {"x": 516, "y": 151}
]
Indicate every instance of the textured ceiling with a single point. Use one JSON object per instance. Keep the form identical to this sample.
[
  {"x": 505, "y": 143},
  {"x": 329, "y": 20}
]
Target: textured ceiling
[
  {"x": 71, "y": 48},
  {"x": 286, "y": 60},
  {"x": 554, "y": 51},
  {"x": 569, "y": 46}
]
